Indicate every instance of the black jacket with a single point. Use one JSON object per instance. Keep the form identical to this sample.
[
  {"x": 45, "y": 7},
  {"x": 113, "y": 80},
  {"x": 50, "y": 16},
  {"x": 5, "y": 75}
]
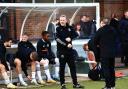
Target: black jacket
[
  {"x": 42, "y": 45},
  {"x": 62, "y": 32},
  {"x": 2, "y": 55},
  {"x": 23, "y": 53},
  {"x": 89, "y": 28},
  {"x": 24, "y": 49},
  {"x": 105, "y": 38},
  {"x": 123, "y": 27}
]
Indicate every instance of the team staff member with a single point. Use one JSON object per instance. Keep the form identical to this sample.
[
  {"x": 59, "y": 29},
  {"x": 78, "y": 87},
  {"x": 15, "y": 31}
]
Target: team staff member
[
  {"x": 64, "y": 36},
  {"x": 105, "y": 39}
]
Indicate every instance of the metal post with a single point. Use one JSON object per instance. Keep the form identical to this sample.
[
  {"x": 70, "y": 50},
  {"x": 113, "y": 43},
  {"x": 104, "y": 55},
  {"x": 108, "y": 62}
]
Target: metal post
[
  {"x": 75, "y": 1},
  {"x": 23, "y": 24},
  {"x": 54, "y": 1},
  {"x": 74, "y": 15},
  {"x": 54, "y": 12},
  {"x": 33, "y": 1}
]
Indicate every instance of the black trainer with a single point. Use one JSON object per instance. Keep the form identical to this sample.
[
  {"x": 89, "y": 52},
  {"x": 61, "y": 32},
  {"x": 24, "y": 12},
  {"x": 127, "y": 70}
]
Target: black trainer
[
  {"x": 63, "y": 86},
  {"x": 78, "y": 86}
]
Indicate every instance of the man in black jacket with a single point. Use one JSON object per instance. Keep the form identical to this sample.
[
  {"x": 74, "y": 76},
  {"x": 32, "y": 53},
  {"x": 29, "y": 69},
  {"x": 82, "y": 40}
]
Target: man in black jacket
[
  {"x": 88, "y": 27},
  {"x": 64, "y": 36},
  {"x": 105, "y": 39},
  {"x": 3, "y": 64},
  {"x": 27, "y": 54},
  {"x": 123, "y": 28}
]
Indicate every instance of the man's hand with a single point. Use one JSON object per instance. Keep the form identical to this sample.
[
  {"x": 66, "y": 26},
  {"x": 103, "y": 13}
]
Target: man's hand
[
  {"x": 68, "y": 39},
  {"x": 69, "y": 46}
]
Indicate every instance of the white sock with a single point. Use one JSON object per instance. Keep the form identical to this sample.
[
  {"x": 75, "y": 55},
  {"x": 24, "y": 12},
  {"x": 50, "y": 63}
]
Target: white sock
[
  {"x": 57, "y": 68},
  {"x": 20, "y": 77},
  {"x": 57, "y": 72},
  {"x": 47, "y": 72},
  {"x": 39, "y": 75},
  {"x": 33, "y": 75},
  {"x": 38, "y": 72},
  {"x": 6, "y": 78}
]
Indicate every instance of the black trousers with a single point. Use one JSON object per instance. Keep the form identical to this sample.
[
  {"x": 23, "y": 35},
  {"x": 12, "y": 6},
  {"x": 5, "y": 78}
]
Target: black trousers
[
  {"x": 108, "y": 67},
  {"x": 69, "y": 59},
  {"x": 125, "y": 52}
]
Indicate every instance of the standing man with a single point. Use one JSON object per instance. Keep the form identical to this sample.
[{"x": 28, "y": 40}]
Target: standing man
[
  {"x": 105, "y": 39},
  {"x": 64, "y": 36},
  {"x": 123, "y": 27}
]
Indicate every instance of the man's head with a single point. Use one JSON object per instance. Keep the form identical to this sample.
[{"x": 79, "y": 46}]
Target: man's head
[
  {"x": 24, "y": 37},
  {"x": 8, "y": 43},
  {"x": 85, "y": 18},
  {"x": 104, "y": 22},
  {"x": 45, "y": 35},
  {"x": 126, "y": 14},
  {"x": 63, "y": 20}
]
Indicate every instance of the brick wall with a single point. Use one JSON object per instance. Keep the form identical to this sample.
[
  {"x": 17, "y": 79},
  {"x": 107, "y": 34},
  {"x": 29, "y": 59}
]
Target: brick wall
[
  {"x": 107, "y": 7},
  {"x": 37, "y": 20}
]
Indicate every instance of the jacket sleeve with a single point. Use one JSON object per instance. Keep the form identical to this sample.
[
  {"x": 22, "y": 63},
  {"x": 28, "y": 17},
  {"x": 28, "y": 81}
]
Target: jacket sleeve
[
  {"x": 73, "y": 33},
  {"x": 32, "y": 47},
  {"x": 58, "y": 38},
  {"x": 97, "y": 38}
]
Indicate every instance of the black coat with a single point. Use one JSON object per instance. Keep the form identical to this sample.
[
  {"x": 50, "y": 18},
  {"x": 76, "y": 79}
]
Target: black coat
[
  {"x": 62, "y": 32},
  {"x": 105, "y": 38},
  {"x": 88, "y": 28},
  {"x": 123, "y": 28}
]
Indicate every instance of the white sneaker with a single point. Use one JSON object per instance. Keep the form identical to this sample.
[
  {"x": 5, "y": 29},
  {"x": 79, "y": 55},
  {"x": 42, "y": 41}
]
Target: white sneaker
[
  {"x": 51, "y": 81},
  {"x": 23, "y": 83},
  {"x": 41, "y": 82},
  {"x": 11, "y": 86},
  {"x": 34, "y": 82},
  {"x": 112, "y": 87}
]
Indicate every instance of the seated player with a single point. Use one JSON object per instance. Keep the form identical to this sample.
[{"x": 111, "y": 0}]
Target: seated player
[
  {"x": 90, "y": 56},
  {"x": 27, "y": 54},
  {"x": 3, "y": 64},
  {"x": 46, "y": 56}
]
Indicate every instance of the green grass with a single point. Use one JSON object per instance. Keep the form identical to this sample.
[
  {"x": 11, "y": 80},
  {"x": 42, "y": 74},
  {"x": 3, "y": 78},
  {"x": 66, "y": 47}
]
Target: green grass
[{"x": 120, "y": 84}]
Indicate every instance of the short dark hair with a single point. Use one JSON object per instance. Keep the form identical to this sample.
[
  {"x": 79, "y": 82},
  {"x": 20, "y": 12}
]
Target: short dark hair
[
  {"x": 25, "y": 34},
  {"x": 106, "y": 21},
  {"x": 44, "y": 33},
  {"x": 7, "y": 40}
]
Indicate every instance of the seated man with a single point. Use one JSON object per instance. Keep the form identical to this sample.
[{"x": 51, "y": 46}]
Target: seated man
[
  {"x": 27, "y": 54},
  {"x": 90, "y": 56},
  {"x": 46, "y": 56},
  {"x": 3, "y": 64}
]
